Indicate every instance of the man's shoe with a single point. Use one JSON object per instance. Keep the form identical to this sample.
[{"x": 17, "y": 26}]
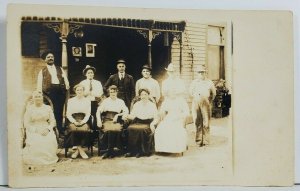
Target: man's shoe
[
  {"x": 105, "y": 156},
  {"x": 138, "y": 155},
  {"x": 128, "y": 155},
  {"x": 111, "y": 156}
]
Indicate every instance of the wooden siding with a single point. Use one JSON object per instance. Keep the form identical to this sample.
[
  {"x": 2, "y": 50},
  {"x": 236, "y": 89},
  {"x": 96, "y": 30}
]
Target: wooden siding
[
  {"x": 31, "y": 68},
  {"x": 193, "y": 51}
]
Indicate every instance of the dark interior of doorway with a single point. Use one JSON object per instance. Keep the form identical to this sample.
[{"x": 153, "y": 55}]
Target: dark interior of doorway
[{"x": 113, "y": 44}]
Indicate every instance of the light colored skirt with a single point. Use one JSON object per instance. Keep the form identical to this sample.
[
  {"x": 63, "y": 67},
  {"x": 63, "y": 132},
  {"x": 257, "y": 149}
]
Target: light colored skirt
[
  {"x": 40, "y": 150},
  {"x": 170, "y": 137}
]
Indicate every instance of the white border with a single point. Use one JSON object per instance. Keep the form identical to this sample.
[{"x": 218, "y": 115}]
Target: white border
[{"x": 188, "y": 4}]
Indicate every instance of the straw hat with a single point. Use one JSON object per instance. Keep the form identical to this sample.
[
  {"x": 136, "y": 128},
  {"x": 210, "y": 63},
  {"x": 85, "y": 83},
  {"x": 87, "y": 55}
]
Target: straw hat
[
  {"x": 147, "y": 67},
  {"x": 88, "y": 67}
]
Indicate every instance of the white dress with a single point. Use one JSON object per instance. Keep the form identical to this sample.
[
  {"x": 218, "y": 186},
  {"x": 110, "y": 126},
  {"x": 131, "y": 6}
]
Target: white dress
[
  {"x": 170, "y": 135},
  {"x": 39, "y": 150}
]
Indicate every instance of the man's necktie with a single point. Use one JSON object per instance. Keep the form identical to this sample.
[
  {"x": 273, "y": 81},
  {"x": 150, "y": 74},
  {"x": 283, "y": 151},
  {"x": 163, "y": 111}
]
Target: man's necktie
[{"x": 91, "y": 87}]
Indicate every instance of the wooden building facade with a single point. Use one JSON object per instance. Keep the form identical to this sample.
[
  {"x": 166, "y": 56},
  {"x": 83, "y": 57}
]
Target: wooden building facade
[{"x": 99, "y": 42}]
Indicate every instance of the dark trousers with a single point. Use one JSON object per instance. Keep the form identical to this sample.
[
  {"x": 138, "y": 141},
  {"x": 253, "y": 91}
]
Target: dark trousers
[
  {"x": 123, "y": 95},
  {"x": 57, "y": 94},
  {"x": 94, "y": 107}
]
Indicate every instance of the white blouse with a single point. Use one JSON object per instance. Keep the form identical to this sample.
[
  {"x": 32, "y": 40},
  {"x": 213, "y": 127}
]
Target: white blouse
[
  {"x": 150, "y": 84},
  {"x": 144, "y": 110},
  {"x": 172, "y": 86},
  {"x": 79, "y": 105},
  {"x": 97, "y": 89},
  {"x": 109, "y": 104}
]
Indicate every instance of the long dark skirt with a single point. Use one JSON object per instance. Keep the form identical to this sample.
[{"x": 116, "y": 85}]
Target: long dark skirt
[
  {"x": 111, "y": 135},
  {"x": 111, "y": 132},
  {"x": 140, "y": 137},
  {"x": 78, "y": 135}
]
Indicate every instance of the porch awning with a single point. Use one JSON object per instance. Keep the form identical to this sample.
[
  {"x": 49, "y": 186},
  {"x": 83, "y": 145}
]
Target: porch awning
[{"x": 137, "y": 24}]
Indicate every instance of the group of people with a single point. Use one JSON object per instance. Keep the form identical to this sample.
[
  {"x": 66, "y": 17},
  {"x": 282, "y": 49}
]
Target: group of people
[{"x": 124, "y": 112}]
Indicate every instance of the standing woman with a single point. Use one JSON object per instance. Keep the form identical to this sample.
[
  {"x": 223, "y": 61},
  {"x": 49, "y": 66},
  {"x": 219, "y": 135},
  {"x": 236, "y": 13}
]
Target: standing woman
[
  {"x": 78, "y": 116},
  {"x": 41, "y": 144},
  {"x": 140, "y": 131},
  {"x": 109, "y": 115},
  {"x": 147, "y": 82},
  {"x": 92, "y": 88}
]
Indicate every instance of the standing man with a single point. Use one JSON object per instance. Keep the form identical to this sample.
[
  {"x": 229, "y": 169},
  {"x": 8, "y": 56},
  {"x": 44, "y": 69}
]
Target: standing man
[
  {"x": 147, "y": 82},
  {"x": 53, "y": 82},
  {"x": 203, "y": 92},
  {"x": 92, "y": 88},
  {"x": 173, "y": 84},
  {"x": 124, "y": 82}
]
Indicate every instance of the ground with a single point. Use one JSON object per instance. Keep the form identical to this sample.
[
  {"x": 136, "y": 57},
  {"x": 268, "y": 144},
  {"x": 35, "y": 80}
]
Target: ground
[{"x": 198, "y": 163}]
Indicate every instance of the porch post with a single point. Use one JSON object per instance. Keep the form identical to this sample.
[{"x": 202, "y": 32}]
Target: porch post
[
  {"x": 64, "y": 59},
  {"x": 149, "y": 48},
  {"x": 63, "y": 38}
]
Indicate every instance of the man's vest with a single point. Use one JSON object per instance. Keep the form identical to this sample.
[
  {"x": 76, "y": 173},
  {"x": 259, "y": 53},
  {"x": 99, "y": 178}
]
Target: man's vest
[{"x": 47, "y": 79}]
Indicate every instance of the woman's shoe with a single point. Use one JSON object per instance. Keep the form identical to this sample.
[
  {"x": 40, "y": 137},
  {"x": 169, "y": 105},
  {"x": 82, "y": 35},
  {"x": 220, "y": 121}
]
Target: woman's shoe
[
  {"x": 82, "y": 153},
  {"x": 74, "y": 147},
  {"x": 75, "y": 154}
]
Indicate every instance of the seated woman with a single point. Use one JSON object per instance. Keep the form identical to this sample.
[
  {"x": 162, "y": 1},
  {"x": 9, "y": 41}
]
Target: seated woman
[
  {"x": 140, "y": 135},
  {"x": 77, "y": 128},
  {"x": 109, "y": 115},
  {"x": 170, "y": 135},
  {"x": 41, "y": 144}
]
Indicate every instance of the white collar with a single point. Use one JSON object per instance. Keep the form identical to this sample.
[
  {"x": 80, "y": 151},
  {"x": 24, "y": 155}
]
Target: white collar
[{"x": 50, "y": 66}]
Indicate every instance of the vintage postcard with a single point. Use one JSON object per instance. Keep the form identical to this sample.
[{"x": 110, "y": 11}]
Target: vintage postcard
[{"x": 149, "y": 97}]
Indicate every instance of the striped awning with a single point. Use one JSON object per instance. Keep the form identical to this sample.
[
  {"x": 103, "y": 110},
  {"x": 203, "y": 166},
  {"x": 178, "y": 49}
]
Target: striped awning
[{"x": 137, "y": 24}]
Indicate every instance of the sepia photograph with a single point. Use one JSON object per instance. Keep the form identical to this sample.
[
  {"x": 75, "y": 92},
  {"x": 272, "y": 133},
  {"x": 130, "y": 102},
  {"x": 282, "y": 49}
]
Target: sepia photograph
[
  {"x": 90, "y": 49},
  {"x": 157, "y": 91},
  {"x": 151, "y": 106},
  {"x": 76, "y": 51}
]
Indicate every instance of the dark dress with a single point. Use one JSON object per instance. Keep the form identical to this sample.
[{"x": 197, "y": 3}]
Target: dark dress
[
  {"x": 140, "y": 136},
  {"x": 111, "y": 132},
  {"x": 78, "y": 110}
]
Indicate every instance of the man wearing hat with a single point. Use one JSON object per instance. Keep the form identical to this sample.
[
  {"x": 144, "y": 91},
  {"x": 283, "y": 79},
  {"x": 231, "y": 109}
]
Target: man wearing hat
[
  {"x": 53, "y": 82},
  {"x": 173, "y": 84},
  {"x": 203, "y": 92},
  {"x": 124, "y": 82},
  {"x": 147, "y": 82},
  {"x": 92, "y": 88}
]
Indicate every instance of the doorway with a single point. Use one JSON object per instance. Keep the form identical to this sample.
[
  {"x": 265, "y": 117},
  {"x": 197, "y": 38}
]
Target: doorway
[{"x": 111, "y": 44}]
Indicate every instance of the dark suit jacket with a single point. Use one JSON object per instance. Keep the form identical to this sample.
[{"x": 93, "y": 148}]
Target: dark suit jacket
[{"x": 128, "y": 83}]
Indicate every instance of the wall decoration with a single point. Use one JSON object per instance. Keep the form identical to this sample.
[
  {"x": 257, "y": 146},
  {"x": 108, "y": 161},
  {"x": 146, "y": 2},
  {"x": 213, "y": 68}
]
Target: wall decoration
[
  {"x": 90, "y": 49},
  {"x": 76, "y": 51}
]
